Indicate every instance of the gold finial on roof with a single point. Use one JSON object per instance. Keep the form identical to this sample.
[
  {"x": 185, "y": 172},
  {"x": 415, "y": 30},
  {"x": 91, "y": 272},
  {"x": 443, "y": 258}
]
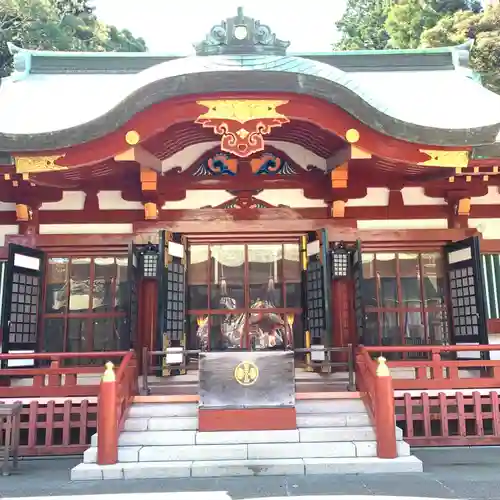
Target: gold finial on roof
[
  {"x": 382, "y": 368},
  {"x": 109, "y": 372}
]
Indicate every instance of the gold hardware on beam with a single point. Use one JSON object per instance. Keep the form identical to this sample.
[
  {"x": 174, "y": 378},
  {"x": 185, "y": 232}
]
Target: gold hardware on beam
[
  {"x": 23, "y": 213},
  {"x": 340, "y": 176},
  {"x": 338, "y": 209},
  {"x": 359, "y": 154},
  {"x": 463, "y": 206},
  {"x": 36, "y": 164},
  {"x": 486, "y": 178},
  {"x": 15, "y": 184},
  {"x": 476, "y": 170},
  {"x": 150, "y": 211},
  {"x": 495, "y": 170},
  {"x": 242, "y": 110},
  {"x": 149, "y": 179},
  {"x": 451, "y": 179},
  {"x": 440, "y": 158},
  {"x": 352, "y": 136},
  {"x": 468, "y": 178},
  {"x": 458, "y": 171},
  {"x": 25, "y": 177},
  {"x": 6, "y": 177},
  {"x": 132, "y": 137}
]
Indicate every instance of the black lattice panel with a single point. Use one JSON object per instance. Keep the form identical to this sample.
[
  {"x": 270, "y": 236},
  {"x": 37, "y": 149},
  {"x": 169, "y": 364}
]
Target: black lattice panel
[
  {"x": 174, "y": 301},
  {"x": 358, "y": 299},
  {"x": 315, "y": 299},
  {"x": 134, "y": 309},
  {"x": 149, "y": 265},
  {"x": 24, "y": 309},
  {"x": 463, "y": 302}
]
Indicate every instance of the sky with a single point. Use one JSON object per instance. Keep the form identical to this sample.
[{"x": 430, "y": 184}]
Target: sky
[{"x": 173, "y": 26}]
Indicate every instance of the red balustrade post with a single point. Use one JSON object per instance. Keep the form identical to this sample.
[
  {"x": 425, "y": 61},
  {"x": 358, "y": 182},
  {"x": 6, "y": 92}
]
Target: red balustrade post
[
  {"x": 385, "y": 416},
  {"x": 107, "y": 418}
]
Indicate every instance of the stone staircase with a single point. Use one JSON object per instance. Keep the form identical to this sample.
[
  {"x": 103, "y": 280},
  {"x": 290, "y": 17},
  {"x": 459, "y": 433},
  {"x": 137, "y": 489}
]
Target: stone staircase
[{"x": 161, "y": 440}]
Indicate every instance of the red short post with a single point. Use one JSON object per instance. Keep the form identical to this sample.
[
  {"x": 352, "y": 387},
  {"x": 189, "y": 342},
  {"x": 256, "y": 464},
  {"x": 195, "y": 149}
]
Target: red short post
[
  {"x": 385, "y": 412},
  {"x": 107, "y": 425}
]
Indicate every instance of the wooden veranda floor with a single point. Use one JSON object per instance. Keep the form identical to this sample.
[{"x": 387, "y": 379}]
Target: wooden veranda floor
[{"x": 305, "y": 382}]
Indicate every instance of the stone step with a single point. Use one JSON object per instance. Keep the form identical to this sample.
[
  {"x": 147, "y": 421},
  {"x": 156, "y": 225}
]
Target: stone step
[
  {"x": 330, "y": 406},
  {"x": 161, "y": 424},
  {"x": 308, "y": 420},
  {"x": 148, "y": 410},
  {"x": 302, "y": 435},
  {"x": 245, "y": 467},
  {"x": 255, "y": 451}
]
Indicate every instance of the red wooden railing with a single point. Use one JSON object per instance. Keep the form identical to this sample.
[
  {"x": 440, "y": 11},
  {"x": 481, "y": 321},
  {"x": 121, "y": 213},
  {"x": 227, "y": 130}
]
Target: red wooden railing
[
  {"x": 375, "y": 385},
  {"x": 438, "y": 373},
  {"x": 116, "y": 392},
  {"x": 54, "y": 380},
  {"x": 56, "y": 427}
]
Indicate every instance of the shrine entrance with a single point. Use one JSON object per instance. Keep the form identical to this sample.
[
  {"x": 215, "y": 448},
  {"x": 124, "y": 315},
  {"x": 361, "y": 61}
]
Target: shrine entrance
[{"x": 245, "y": 296}]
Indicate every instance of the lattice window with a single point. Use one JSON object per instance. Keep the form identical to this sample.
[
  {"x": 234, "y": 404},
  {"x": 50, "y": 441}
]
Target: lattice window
[
  {"x": 315, "y": 299},
  {"x": 24, "y": 309},
  {"x": 175, "y": 298},
  {"x": 463, "y": 301}
]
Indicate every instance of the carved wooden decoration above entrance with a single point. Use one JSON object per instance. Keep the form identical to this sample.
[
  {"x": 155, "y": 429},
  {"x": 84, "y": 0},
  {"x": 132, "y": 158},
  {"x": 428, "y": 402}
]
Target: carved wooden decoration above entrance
[{"x": 242, "y": 123}]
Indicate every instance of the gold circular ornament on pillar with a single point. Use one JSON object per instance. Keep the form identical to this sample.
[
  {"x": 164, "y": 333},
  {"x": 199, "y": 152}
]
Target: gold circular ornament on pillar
[
  {"x": 352, "y": 135},
  {"x": 246, "y": 373},
  {"x": 132, "y": 137}
]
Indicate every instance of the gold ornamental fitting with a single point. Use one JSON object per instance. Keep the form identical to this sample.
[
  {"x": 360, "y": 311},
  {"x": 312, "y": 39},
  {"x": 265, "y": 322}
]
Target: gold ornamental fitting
[
  {"x": 382, "y": 368},
  {"x": 109, "y": 372},
  {"x": 246, "y": 373}
]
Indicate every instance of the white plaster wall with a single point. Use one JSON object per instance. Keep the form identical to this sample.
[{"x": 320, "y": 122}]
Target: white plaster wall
[
  {"x": 71, "y": 200},
  {"x": 86, "y": 228},
  {"x": 186, "y": 157},
  {"x": 299, "y": 154},
  {"x": 199, "y": 198},
  {"x": 6, "y": 230},
  {"x": 7, "y": 207},
  {"x": 415, "y": 196},
  {"x": 403, "y": 224},
  {"x": 490, "y": 228},
  {"x": 494, "y": 338},
  {"x": 491, "y": 198},
  {"x": 112, "y": 200},
  {"x": 293, "y": 198},
  {"x": 375, "y": 197}
]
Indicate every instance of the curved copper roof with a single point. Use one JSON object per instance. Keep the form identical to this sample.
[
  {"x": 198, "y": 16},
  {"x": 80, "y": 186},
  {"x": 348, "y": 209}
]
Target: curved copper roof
[{"x": 52, "y": 118}]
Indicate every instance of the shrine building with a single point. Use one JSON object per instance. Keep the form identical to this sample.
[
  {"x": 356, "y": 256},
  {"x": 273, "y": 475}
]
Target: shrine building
[
  {"x": 244, "y": 231},
  {"x": 350, "y": 197}
]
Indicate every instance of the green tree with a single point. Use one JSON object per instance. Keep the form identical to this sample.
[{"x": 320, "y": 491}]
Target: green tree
[
  {"x": 427, "y": 23},
  {"x": 484, "y": 27},
  {"x": 362, "y": 25},
  {"x": 58, "y": 25},
  {"x": 407, "y": 20}
]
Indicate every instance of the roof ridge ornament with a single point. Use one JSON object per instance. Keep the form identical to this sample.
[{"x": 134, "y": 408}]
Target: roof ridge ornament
[{"x": 241, "y": 35}]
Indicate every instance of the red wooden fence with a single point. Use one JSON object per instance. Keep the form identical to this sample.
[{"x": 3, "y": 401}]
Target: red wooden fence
[
  {"x": 449, "y": 420},
  {"x": 56, "y": 428}
]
